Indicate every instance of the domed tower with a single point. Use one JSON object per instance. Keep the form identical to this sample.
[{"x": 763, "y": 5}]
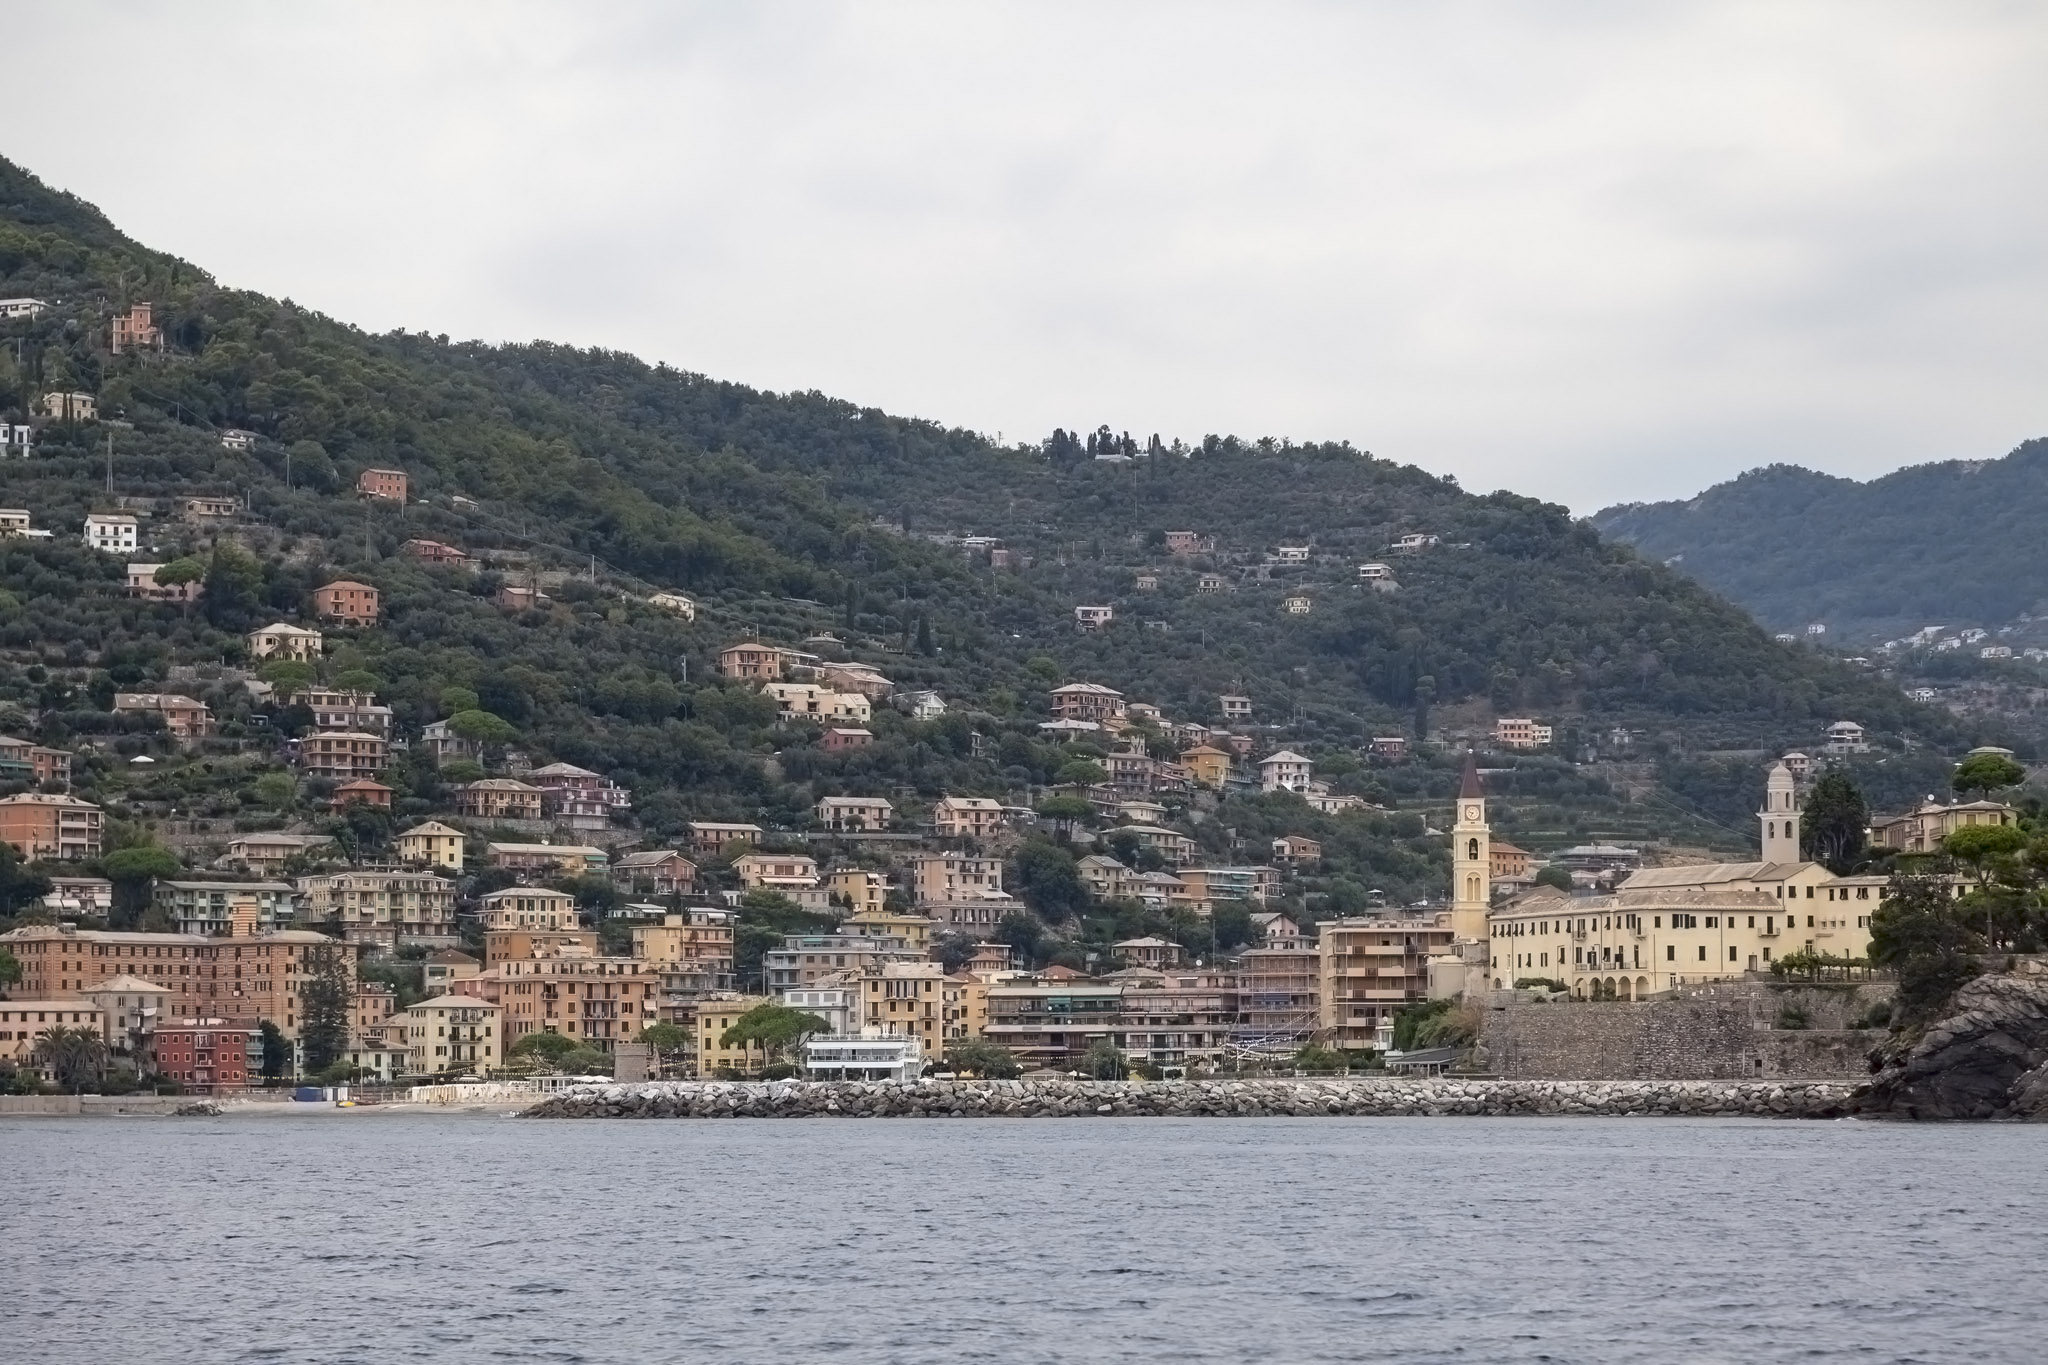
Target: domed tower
[
  {"x": 1779, "y": 818},
  {"x": 1471, "y": 859}
]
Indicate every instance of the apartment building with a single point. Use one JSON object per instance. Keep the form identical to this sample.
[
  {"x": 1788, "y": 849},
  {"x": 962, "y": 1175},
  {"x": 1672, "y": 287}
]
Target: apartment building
[
  {"x": 855, "y": 814},
  {"x": 184, "y": 718},
  {"x": 207, "y": 909},
  {"x": 22, "y": 761},
  {"x": 342, "y": 755},
  {"x": 452, "y": 1035},
  {"x": 942, "y": 877},
  {"x": 383, "y": 909},
  {"x": 39, "y": 825},
  {"x": 498, "y": 798},
  {"x": 1371, "y": 967},
  {"x": 655, "y": 872},
  {"x": 246, "y": 975},
  {"x": 966, "y": 817},
  {"x": 346, "y": 601},
  {"x": 432, "y": 844},
  {"x": 113, "y": 533}
]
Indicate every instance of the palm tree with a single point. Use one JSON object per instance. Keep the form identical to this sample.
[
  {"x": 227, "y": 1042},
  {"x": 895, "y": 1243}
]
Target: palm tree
[{"x": 74, "y": 1055}]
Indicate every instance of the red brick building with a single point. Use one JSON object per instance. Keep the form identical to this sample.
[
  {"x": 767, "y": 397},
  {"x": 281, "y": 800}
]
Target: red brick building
[{"x": 206, "y": 1056}]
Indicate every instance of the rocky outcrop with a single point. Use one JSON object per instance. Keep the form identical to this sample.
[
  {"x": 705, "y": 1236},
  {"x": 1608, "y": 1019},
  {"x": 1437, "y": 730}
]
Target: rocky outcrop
[
  {"x": 1348, "y": 1097},
  {"x": 1987, "y": 1060}
]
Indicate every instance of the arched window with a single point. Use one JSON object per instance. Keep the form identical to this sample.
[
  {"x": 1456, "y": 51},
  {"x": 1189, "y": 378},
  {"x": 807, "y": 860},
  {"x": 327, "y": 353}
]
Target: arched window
[
  {"x": 1472, "y": 850},
  {"x": 1773, "y": 828}
]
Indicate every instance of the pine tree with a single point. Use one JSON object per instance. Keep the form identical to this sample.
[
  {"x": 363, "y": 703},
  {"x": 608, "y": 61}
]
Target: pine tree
[{"x": 323, "y": 1005}]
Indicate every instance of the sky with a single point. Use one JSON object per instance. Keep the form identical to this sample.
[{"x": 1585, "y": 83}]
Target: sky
[{"x": 1592, "y": 252}]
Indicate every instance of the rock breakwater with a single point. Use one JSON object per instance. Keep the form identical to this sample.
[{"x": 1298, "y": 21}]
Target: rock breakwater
[{"x": 1262, "y": 1098}]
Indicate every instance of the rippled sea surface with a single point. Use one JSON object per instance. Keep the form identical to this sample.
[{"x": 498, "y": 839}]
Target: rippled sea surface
[{"x": 391, "y": 1237}]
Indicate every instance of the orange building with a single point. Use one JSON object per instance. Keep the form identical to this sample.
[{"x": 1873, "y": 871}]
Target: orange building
[
  {"x": 382, "y": 483},
  {"x": 346, "y": 601},
  {"x": 244, "y": 976},
  {"x": 137, "y": 331},
  {"x": 41, "y": 826}
]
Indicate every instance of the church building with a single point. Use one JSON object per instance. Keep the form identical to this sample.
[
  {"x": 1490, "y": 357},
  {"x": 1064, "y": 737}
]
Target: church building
[{"x": 1674, "y": 926}]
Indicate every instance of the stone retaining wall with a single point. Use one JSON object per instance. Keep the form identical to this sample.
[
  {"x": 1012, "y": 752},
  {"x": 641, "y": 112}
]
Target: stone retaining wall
[
  {"x": 1725, "y": 1031},
  {"x": 1345, "y": 1097}
]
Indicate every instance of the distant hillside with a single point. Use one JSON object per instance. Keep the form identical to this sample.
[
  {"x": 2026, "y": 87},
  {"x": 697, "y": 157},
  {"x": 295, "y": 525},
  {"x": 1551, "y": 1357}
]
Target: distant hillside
[
  {"x": 1949, "y": 544},
  {"x": 603, "y": 479}
]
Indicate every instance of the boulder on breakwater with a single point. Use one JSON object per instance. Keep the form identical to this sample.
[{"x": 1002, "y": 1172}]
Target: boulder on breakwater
[
  {"x": 1988, "y": 1059},
  {"x": 1348, "y": 1097}
]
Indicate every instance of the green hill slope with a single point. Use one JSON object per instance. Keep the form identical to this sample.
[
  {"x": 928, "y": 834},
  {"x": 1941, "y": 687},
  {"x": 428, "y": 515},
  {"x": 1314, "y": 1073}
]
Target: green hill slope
[
  {"x": 1942, "y": 543},
  {"x": 604, "y": 479}
]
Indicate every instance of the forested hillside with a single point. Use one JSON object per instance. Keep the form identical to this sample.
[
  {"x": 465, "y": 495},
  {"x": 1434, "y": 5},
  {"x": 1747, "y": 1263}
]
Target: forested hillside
[
  {"x": 1947, "y": 543},
  {"x": 602, "y": 480}
]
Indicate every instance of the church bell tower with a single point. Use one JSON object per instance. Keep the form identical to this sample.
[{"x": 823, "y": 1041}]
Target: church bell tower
[
  {"x": 1778, "y": 821},
  {"x": 1471, "y": 859}
]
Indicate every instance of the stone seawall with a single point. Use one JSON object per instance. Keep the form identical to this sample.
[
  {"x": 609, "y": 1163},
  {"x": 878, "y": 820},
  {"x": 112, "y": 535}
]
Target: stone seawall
[{"x": 1348, "y": 1097}]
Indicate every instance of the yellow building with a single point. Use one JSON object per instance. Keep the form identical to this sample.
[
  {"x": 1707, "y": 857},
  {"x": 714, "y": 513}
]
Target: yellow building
[
  {"x": 906, "y": 999},
  {"x": 714, "y": 1016},
  {"x": 1207, "y": 765},
  {"x": 1639, "y": 943},
  {"x": 432, "y": 845},
  {"x": 1677, "y": 926},
  {"x": 865, "y": 891},
  {"x": 915, "y": 930},
  {"x": 695, "y": 935},
  {"x": 451, "y": 1033}
]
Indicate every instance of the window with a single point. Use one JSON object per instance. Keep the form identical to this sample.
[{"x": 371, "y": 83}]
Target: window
[
  {"x": 1703, "y": 952},
  {"x": 1731, "y": 955},
  {"x": 1671, "y": 952}
]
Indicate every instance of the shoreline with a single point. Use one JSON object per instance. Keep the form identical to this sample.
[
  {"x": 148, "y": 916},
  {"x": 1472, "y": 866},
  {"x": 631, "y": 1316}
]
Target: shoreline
[{"x": 1264, "y": 1098}]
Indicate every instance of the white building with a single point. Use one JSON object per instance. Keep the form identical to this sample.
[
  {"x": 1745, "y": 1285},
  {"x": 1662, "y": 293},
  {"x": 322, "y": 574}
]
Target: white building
[
  {"x": 12, "y": 309},
  {"x": 17, "y": 439},
  {"x": 675, "y": 602},
  {"x": 863, "y": 1059},
  {"x": 112, "y": 533},
  {"x": 1093, "y": 618},
  {"x": 1846, "y": 737},
  {"x": 234, "y": 438},
  {"x": 1285, "y": 771}
]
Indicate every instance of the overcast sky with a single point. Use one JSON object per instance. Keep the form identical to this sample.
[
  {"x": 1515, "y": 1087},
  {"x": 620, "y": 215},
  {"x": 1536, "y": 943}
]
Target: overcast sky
[{"x": 1592, "y": 252}]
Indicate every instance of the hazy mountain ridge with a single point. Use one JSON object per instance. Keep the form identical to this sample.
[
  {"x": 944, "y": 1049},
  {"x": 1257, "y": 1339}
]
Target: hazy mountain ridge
[{"x": 1943, "y": 543}]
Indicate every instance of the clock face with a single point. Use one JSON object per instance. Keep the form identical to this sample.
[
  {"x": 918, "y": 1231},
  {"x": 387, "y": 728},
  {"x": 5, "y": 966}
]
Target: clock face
[{"x": 1471, "y": 812}]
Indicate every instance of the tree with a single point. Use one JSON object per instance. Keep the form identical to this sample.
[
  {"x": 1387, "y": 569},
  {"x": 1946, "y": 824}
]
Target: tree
[
  {"x": 234, "y": 587},
  {"x": 545, "y": 1049},
  {"x": 324, "y": 1006},
  {"x": 19, "y": 887},
  {"x": 178, "y": 573},
  {"x": 1104, "y": 1061},
  {"x": 277, "y": 1052},
  {"x": 286, "y": 676},
  {"x": 1835, "y": 825},
  {"x": 1917, "y": 933},
  {"x": 10, "y": 968},
  {"x": 983, "y": 1058},
  {"x": 773, "y": 1027},
  {"x": 1050, "y": 880},
  {"x": 481, "y": 727},
  {"x": 1986, "y": 773},
  {"x": 1064, "y": 812},
  {"x": 1080, "y": 772},
  {"x": 1552, "y": 875},
  {"x": 134, "y": 871},
  {"x": 667, "y": 1040},
  {"x": 76, "y": 1056},
  {"x": 455, "y": 700}
]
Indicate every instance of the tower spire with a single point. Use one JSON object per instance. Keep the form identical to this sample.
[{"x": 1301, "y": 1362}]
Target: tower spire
[{"x": 1471, "y": 857}]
